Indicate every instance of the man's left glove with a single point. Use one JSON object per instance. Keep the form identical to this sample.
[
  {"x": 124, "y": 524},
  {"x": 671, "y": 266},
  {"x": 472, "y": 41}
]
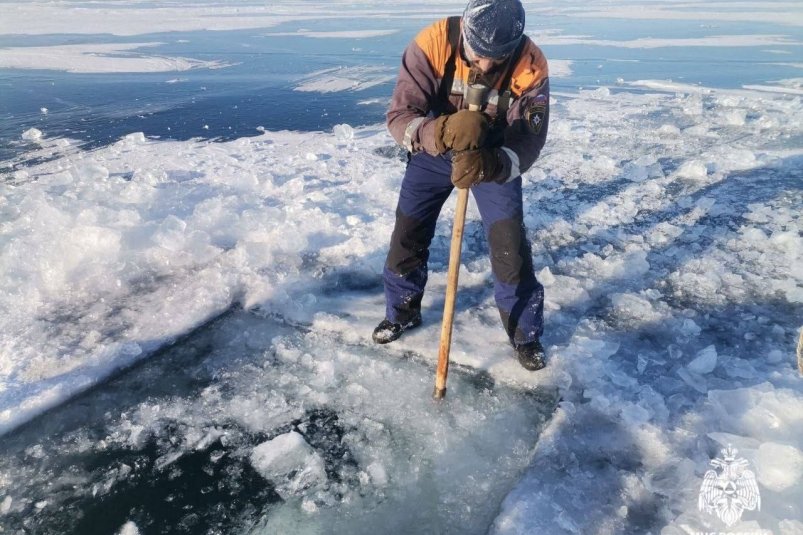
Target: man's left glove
[{"x": 470, "y": 167}]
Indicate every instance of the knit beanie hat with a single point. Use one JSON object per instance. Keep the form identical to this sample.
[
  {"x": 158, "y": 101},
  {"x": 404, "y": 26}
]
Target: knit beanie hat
[{"x": 493, "y": 28}]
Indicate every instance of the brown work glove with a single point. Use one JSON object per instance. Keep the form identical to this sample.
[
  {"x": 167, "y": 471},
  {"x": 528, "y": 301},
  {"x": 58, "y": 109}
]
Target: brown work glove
[
  {"x": 464, "y": 130},
  {"x": 470, "y": 167}
]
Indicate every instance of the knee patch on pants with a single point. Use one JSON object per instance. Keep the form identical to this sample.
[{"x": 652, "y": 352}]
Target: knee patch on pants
[{"x": 511, "y": 259}]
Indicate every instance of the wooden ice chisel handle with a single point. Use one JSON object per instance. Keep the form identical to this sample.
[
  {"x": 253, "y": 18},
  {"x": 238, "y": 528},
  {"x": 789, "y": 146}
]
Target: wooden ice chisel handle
[
  {"x": 451, "y": 293},
  {"x": 475, "y": 104}
]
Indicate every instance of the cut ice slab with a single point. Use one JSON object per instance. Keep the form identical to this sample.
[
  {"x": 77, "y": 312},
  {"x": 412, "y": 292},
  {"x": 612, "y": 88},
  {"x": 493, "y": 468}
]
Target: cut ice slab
[
  {"x": 290, "y": 463},
  {"x": 249, "y": 425}
]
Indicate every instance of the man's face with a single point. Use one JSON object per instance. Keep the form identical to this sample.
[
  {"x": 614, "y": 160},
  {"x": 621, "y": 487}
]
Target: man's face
[{"x": 484, "y": 65}]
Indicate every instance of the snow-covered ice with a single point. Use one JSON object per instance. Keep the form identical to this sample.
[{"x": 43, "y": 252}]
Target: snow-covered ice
[
  {"x": 345, "y": 79},
  {"x": 665, "y": 218},
  {"x": 98, "y": 58},
  {"x": 353, "y": 34},
  {"x": 647, "y": 43},
  {"x": 659, "y": 321}
]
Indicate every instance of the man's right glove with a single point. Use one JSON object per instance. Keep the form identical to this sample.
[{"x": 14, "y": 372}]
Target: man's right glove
[
  {"x": 471, "y": 167},
  {"x": 464, "y": 130}
]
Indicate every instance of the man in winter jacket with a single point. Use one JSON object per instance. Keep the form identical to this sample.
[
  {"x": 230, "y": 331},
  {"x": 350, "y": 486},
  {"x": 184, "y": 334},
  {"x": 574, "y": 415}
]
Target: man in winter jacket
[{"x": 485, "y": 150}]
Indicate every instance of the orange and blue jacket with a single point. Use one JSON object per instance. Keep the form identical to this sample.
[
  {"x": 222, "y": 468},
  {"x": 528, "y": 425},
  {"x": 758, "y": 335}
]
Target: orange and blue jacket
[{"x": 520, "y": 133}]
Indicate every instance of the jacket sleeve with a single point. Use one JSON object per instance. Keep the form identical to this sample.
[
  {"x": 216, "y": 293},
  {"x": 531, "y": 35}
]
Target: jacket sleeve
[
  {"x": 413, "y": 97},
  {"x": 528, "y": 120}
]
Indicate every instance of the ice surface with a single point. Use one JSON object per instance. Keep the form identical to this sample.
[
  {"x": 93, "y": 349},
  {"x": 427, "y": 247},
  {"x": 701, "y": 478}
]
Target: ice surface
[
  {"x": 343, "y": 132},
  {"x": 634, "y": 308},
  {"x": 693, "y": 170},
  {"x": 99, "y": 278},
  {"x": 129, "y": 528},
  {"x": 665, "y": 221},
  {"x": 705, "y": 361},
  {"x": 648, "y": 43},
  {"x": 5, "y": 506},
  {"x": 98, "y": 58},
  {"x": 344, "y": 79},
  {"x": 290, "y": 464},
  {"x": 559, "y": 68},
  {"x": 800, "y": 352},
  {"x": 38, "y": 18},
  {"x": 752, "y": 13},
  {"x": 275, "y": 424},
  {"x": 349, "y": 34},
  {"x": 779, "y": 467},
  {"x": 790, "y": 527},
  {"x": 32, "y": 134}
]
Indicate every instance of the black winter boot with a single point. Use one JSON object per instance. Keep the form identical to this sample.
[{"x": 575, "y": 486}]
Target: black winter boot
[
  {"x": 388, "y": 331},
  {"x": 531, "y": 356}
]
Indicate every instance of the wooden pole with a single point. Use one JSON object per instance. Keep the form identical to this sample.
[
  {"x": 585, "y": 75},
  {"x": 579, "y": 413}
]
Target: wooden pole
[
  {"x": 451, "y": 293},
  {"x": 475, "y": 96}
]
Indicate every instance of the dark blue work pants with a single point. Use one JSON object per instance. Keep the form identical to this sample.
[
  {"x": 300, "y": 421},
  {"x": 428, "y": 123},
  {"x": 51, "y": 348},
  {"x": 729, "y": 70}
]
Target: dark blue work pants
[{"x": 426, "y": 186}]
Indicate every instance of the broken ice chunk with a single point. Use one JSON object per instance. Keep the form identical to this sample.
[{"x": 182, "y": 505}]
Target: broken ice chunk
[
  {"x": 32, "y": 134},
  {"x": 790, "y": 527},
  {"x": 170, "y": 234},
  {"x": 779, "y": 466},
  {"x": 289, "y": 463},
  {"x": 689, "y": 328},
  {"x": 693, "y": 170},
  {"x": 705, "y": 362},
  {"x": 343, "y": 132},
  {"x": 695, "y": 381},
  {"x": 129, "y": 528},
  {"x": 546, "y": 277}
]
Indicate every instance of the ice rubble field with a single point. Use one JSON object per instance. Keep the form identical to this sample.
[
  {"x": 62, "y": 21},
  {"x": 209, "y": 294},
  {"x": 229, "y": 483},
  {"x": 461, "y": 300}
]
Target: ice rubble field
[
  {"x": 253, "y": 426},
  {"x": 666, "y": 226}
]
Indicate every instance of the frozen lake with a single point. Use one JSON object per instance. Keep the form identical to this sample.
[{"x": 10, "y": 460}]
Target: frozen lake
[
  {"x": 190, "y": 263},
  {"x": 311, "y": 74}
]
